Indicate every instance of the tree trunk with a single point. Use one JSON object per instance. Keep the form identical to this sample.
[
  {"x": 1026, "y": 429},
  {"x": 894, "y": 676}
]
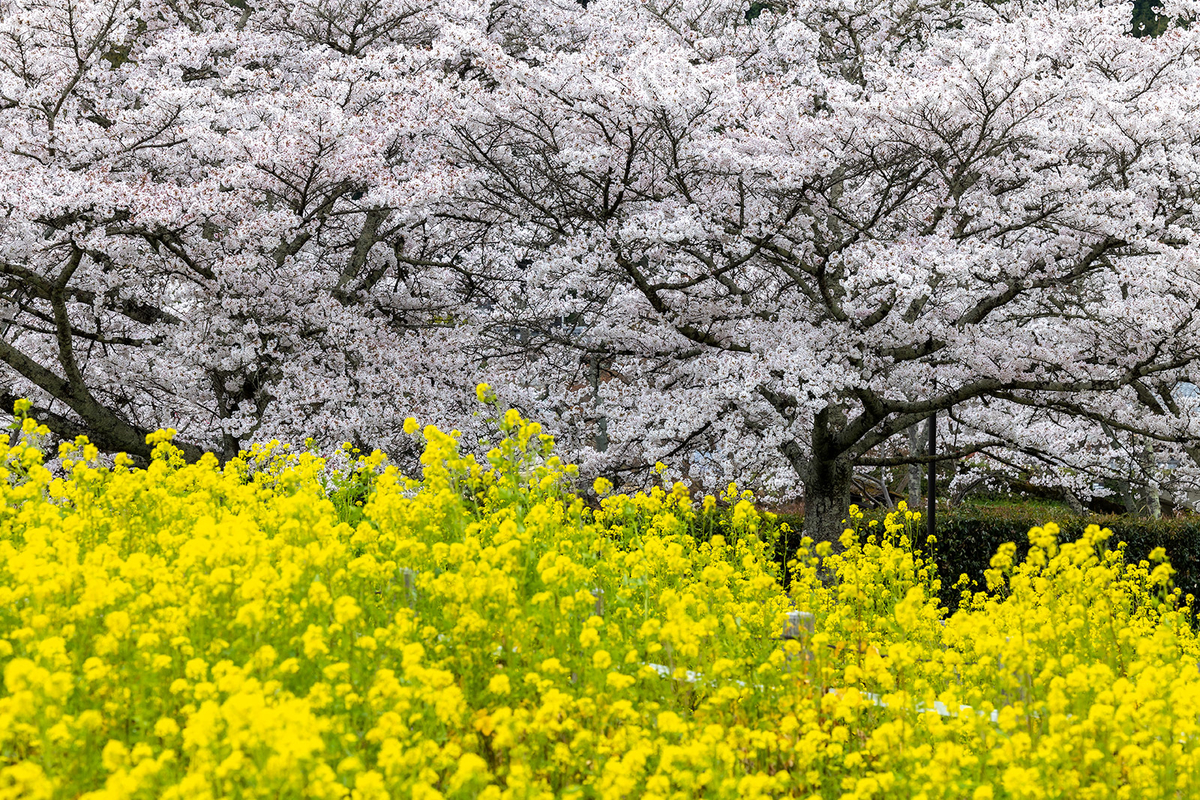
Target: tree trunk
[
  {"x": 883, "y": 487},
  {"x": 1126, "y": 487},
  {"x": 1151, "y": 491},
  {"x": 826, "y": 498},
  {"x": 827, "y": 477}
]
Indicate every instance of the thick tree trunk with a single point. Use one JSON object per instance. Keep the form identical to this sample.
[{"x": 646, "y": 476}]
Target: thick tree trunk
[
  {"x": 827, "y": 477},
  {"x": 826, "y": 498}
]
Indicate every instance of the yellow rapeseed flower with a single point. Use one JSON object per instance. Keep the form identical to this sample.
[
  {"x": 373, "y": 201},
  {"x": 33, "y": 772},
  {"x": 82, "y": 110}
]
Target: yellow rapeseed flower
[{"x": 202, "y": 630}]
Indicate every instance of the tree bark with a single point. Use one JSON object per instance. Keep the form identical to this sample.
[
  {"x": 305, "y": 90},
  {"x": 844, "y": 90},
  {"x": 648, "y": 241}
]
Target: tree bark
[
  {"x": 826, "y": 497},
  {"x": 883, "y": 487},
  {"x": 103, "y": 426},
  {"x": 1126, "y": 487},
  {"x": 827, "y": 478},
  {"x": 1149, "y": 466}
]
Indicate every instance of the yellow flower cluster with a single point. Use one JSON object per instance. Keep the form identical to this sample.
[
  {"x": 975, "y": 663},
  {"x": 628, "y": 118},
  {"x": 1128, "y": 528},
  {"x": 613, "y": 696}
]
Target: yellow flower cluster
[{"x": 205, "y": 630}]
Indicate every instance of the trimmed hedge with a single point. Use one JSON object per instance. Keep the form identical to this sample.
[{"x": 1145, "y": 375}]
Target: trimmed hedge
[{"x": 968, "y": 536}]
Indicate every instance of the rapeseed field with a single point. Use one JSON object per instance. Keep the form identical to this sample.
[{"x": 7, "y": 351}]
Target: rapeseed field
[{"x": 280, "y": 627}]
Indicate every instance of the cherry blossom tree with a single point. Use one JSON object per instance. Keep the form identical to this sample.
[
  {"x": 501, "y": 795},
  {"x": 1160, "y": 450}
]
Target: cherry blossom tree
[
  {"x": 789, "y": 237},
  {"x": 214, "y": 218},
  {"x": 756, "y": 241}
]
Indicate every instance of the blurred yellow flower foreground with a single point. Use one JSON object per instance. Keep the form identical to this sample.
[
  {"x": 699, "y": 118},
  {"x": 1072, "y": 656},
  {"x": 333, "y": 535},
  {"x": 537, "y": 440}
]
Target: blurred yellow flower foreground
[{"x": 252, "y": 630}]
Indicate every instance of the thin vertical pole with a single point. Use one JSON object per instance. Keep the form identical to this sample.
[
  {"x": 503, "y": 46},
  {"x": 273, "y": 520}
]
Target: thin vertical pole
[{"x": 932, "y": 525}]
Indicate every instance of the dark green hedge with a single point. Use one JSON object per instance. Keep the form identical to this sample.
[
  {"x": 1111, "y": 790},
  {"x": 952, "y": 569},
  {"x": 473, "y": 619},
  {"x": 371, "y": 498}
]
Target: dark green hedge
[{"x": 968, "y": 536}]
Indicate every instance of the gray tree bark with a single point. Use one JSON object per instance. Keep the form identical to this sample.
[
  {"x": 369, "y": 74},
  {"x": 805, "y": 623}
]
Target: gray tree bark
[
  {"x": 1150, "y": 488},
  {"x": 827, "y": 477}
]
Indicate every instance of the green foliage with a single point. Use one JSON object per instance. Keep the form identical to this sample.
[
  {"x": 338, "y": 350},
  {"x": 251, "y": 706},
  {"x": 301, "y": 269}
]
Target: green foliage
[
  {"x": 969, "y": 535},
  {"x": 1146, "y": 22}
]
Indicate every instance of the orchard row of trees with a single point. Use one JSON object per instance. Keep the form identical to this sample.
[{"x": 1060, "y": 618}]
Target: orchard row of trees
[{"x": 757, "y": 245}]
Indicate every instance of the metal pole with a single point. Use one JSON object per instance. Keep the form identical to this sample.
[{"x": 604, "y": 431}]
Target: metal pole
[{"x": 932, "y": 514}]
